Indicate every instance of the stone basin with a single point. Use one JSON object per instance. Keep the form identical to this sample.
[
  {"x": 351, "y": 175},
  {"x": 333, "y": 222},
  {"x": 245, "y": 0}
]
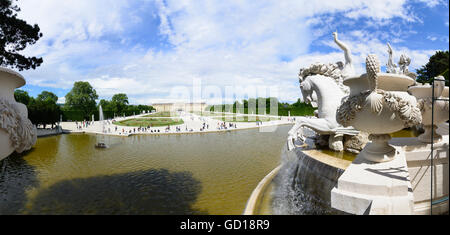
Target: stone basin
[
  {"x": 423, "y": 93},
  {"x": 386, "y": 81},
  {"x": 384, "y": 122},
  {"x": 379, "y": 109},
  {"x": 9, "y": 81}
]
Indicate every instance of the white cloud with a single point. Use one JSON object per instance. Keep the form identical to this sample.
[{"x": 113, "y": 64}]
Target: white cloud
[
  {"x": 431, "y": 38},
  {"x": 222, "y": 43},
  {"x": 61, "y": 100},
  {"x": 432, "y": 3}
]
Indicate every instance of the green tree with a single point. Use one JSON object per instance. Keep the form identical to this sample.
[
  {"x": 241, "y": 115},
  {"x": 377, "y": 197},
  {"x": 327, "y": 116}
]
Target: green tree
[
  {"x": 15, "y": 35},
  {"x": 46, "y": 95},
  {"x": 22, "y": 96},
  {"x": 82, "y": 98},
  {"x": 119, "y": 102},
  {"x": 106, "y": 105},
  {"x": 437, "y": 65},
  {"x": 44, "y": 110}
]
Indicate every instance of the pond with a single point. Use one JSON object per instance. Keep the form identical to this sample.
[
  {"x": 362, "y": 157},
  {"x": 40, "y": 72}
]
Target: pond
[{"x": 212, "y": 173}]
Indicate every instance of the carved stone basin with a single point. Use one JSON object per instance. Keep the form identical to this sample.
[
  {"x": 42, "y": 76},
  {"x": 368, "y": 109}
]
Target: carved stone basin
[
  {"x": 423, "y": 93},
  {"x": 9, "y": 80},
  {"x": 386, "y": 82},
  {"x": 379, "y": 104},
  {"x": 385, "y": 122},
  {"x": 16, "y": 131}
]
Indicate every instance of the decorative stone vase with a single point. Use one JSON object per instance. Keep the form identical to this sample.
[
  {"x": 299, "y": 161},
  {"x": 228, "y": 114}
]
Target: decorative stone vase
[
  {"x": 17, "y": 133},
  {"x": 423, "y": 93},
  {"x": 379, "y": 104}
]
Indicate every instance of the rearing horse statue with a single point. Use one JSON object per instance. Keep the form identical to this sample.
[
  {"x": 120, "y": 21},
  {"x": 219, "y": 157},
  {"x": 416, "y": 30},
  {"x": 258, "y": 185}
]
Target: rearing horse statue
[{"x": 322, "y": 85}]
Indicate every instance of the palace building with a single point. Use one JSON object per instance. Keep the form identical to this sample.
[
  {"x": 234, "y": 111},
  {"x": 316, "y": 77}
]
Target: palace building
[{"x": 187, "y": 107}]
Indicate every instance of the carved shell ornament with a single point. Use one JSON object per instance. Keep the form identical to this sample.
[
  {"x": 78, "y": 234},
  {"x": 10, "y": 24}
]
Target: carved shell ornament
[
  {"x": 22, "y": 132},
  {"x": 377, "y": 99}
]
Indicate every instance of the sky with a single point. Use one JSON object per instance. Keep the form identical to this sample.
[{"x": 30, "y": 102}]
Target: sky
[{"x": 166, "y": 50}]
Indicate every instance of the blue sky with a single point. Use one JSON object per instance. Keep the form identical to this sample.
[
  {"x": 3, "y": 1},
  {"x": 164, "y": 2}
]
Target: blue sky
[{"x": 145, "y": 48}]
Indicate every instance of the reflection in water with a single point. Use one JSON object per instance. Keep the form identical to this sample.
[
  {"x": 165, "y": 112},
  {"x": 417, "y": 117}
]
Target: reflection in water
[
  {"x": 212, "y": 173},
  {"x": 142, "y": 192},
  {"x": 16, "y": 176}
]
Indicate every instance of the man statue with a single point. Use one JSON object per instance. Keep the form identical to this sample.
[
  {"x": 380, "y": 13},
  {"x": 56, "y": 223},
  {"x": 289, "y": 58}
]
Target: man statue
[{"x": 347, "y": 68}]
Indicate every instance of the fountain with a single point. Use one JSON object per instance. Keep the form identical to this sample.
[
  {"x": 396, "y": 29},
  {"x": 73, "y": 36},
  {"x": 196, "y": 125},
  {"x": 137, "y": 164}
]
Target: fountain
[
  {"x": 377, "y": 98},
  {"x": 389, "y": 175},
  {"x": 101, "y": 144}
]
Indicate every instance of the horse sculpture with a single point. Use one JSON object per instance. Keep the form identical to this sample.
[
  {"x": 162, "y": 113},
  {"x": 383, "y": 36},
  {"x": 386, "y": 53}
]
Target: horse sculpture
[{"x": 322, "y": 85}]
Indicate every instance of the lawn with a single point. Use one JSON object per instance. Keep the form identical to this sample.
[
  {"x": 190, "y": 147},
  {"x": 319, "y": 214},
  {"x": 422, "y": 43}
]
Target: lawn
[
  {"x": 246, "y": 119},
  {"x": 163, "y": 114},
  {"x": 206, "y": 113},
  {"x": 153, "y": 122}
]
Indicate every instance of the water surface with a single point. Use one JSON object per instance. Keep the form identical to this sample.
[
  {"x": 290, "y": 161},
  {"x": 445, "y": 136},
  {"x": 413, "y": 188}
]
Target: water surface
[{"x": 212, "y": 173}]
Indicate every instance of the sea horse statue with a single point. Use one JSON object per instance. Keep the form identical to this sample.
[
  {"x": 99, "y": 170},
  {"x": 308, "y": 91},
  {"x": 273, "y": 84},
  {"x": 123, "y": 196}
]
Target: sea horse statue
[{"x": 323, "y": 84}]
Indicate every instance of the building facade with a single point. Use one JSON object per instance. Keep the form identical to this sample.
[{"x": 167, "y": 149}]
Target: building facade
[{"x": 186, "y": 107}]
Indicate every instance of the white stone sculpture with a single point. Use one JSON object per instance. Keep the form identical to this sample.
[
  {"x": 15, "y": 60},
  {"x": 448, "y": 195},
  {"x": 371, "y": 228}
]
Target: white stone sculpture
[
  {"x": 17, "y": 133},
  {"x": 403, "y": 64},
  {"x": 423, "y": 93},
  {"x": 390, "y": 67},
  {"x": 379, "y": 104},
  {"x": 322, "y": 86}
]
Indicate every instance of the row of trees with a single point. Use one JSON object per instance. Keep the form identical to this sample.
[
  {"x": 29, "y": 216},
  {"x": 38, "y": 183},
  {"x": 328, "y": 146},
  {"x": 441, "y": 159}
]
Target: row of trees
[
  {"x": 119, "y": 106},
  {"x": 81, "y": 104},
  {"x": 269, "y": 105},
  {"x": 43, "y": 109}
]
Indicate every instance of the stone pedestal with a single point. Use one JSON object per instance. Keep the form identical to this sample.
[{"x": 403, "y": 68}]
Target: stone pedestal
[
  {"x": 375, "y": 188},
  {"x": 418, "y": 160},
  {"x": 401, "y": 186}
]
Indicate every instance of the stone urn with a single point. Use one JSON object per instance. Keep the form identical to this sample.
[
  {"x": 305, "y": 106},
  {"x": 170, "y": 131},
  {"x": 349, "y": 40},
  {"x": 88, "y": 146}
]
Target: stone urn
[
  {"x": 17, "y": 133},
  {"x": 379, "y": 104},
  {"x": 423, "y": 93}
]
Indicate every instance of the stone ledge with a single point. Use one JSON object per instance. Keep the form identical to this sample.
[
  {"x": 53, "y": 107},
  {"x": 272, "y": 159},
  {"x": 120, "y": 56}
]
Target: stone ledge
[{"x": 374, "y": 188}]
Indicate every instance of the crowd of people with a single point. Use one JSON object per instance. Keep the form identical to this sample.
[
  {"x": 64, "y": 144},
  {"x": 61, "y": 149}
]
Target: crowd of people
[
  {"x": 224, "y": 126},
  {"x": 204, "y": 126},
  {"x": 83, "y": 124}
]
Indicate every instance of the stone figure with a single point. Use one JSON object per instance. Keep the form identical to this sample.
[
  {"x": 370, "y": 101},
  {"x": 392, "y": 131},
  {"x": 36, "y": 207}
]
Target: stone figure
[
  {"x": 402, "y": 67},
  {"x": 404, "y": 63},
  {"x": 347, "y": 68},
  {"x": 322, "y": 85},
  {"x": 390, "y": 67}
]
